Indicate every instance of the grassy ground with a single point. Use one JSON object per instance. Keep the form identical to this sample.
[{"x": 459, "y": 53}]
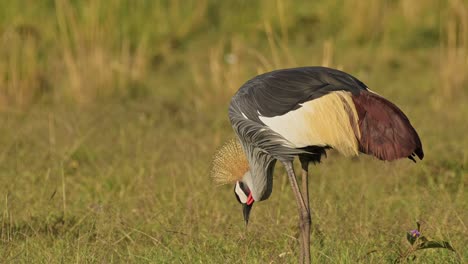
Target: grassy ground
[{"x": 111, "y": 113}]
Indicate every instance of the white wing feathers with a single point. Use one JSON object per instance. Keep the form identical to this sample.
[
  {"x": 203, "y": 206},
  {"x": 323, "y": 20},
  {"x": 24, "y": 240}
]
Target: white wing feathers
[{"x": 330, "y": 120}]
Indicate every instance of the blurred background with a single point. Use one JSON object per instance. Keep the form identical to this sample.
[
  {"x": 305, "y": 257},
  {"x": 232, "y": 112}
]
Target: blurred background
[{"x": 110, "y": 112}]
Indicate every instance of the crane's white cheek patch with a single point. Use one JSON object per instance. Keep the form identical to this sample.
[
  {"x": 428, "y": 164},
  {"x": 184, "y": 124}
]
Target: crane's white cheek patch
[
  {"x": 320, "y": 122},
  {"x": 240, "y": 193}
]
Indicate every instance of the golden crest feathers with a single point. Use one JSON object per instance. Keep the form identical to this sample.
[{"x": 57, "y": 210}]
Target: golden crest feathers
[{"x": 229, "y": 163}]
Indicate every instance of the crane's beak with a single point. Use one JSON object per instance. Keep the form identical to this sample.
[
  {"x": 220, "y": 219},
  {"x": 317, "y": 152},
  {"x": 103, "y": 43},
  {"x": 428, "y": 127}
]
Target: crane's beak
[{"x": 246, "y": 210}]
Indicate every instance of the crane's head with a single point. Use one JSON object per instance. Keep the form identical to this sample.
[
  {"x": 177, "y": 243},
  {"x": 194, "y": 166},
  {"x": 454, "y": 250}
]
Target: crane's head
[
  {"x": 244, "y": 197},
  {"x": 230, "y": 165}
]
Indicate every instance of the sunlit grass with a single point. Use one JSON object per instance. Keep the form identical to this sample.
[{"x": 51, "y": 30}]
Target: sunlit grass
[{"x": 112, "y": 111}]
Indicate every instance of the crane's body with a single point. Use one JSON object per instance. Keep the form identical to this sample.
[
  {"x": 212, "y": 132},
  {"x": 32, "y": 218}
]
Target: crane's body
[{"x": 302, "y": 112}]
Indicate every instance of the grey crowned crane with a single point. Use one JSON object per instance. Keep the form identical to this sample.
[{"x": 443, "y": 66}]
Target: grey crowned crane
[{"x": 302, "y": 112}]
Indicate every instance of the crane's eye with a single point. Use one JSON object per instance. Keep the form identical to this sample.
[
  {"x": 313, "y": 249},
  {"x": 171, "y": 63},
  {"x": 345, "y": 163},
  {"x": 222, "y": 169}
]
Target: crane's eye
[{"x": 241, "y": 191}]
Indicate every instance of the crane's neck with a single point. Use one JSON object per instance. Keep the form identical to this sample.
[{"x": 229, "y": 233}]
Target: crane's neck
[{"x": 260, "y": 176}]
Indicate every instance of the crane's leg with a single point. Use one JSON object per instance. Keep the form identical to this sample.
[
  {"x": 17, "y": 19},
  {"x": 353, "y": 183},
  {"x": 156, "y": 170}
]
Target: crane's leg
[
  {"x": 303, "y": 212},
  {"x": 305, "y": 197}
]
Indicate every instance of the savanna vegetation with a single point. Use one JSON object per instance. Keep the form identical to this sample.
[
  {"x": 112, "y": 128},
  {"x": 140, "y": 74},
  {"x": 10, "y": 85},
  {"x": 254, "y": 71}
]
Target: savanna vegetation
[{"x": 110, "y": 112}]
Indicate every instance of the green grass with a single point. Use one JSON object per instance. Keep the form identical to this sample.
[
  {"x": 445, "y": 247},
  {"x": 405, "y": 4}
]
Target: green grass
[{"x": 111, "y": 113}]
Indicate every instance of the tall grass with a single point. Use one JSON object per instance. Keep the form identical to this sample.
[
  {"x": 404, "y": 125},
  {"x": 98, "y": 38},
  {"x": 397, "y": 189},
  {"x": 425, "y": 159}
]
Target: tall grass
[
  {"x": 83, "y": 52},
  {"x": 454, "y": 49},
  {"x": 111, "y": 111}
]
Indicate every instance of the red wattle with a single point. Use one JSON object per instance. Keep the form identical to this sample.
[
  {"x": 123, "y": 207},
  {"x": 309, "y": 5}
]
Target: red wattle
[{"x": 250, "y": 199}]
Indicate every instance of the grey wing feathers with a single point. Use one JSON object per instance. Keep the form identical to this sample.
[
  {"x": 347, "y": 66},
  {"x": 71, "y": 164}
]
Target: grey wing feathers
[
  {"x": 278, "y": 92},
  {"x": 255, "y": 137}
]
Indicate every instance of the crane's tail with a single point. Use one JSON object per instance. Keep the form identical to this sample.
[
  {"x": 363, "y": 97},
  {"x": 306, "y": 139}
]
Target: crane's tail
[{"x": 385, "y": 131}]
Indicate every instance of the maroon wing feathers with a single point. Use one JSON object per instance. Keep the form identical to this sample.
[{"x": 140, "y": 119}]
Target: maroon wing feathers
[{"x": 386, "y": 132}]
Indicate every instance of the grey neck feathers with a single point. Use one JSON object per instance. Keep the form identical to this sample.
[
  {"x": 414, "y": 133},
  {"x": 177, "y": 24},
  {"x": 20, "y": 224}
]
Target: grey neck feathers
[
  {"x": 262, "y": 146},
  {"x": 260, "y": 177}
]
